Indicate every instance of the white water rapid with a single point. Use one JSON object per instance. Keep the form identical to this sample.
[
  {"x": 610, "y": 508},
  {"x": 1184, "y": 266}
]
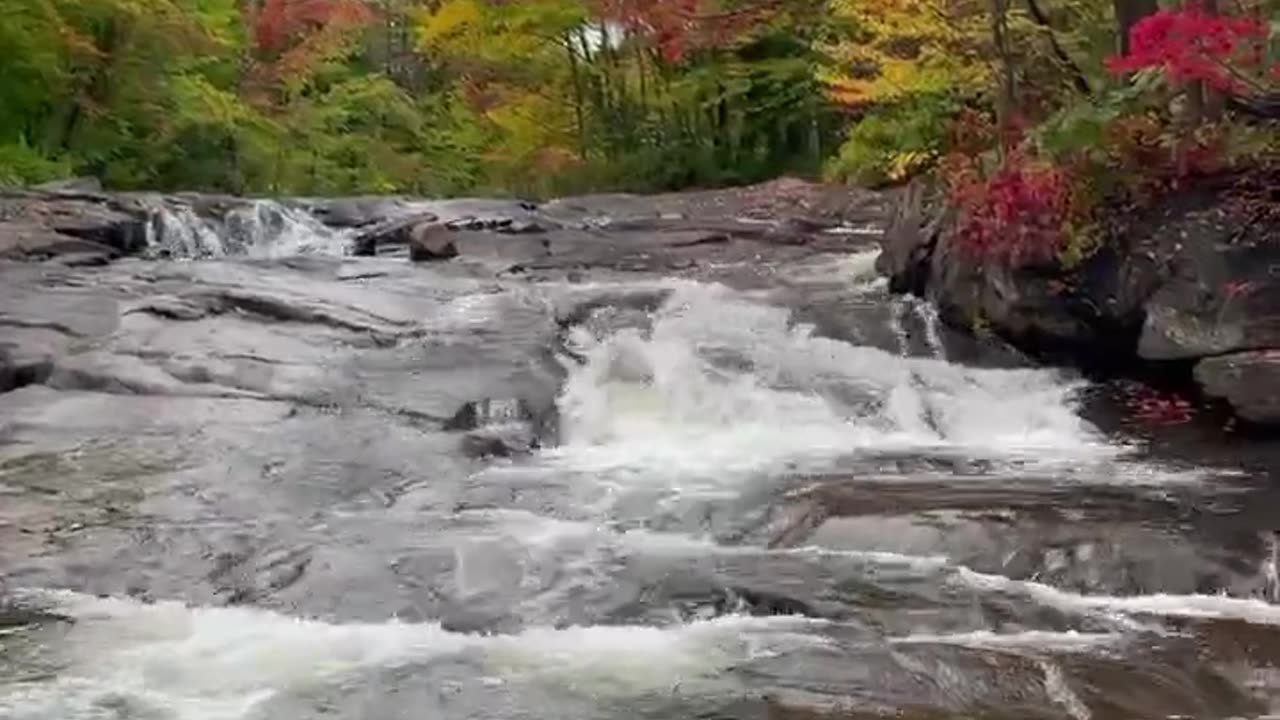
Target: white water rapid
[
  {"x": 256, "y": 228},
  {"x": 748, "y": 510}
]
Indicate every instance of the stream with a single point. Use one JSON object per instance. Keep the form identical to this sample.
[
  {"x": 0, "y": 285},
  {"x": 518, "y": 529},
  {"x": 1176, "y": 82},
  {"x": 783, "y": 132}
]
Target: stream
[{"x": 264, "y": 479}]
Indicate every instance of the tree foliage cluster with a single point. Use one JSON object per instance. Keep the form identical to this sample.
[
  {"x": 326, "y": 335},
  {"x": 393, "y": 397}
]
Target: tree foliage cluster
[
  {"x": 439, "y": 97},
  {"x": 415, "y": 96},
  {"x": 1190, "y": 92}
]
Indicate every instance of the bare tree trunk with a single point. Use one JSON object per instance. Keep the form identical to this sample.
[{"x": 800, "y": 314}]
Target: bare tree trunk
[
  {"x": 578, "y": 99},
  {"x": 1128, "y": 13},
  {"x": 1005, "y": 104},
  {"x": 1041, "y": 18}
]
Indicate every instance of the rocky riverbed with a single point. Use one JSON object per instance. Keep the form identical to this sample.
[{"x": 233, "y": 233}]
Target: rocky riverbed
[{"x": 604, "y": 457}]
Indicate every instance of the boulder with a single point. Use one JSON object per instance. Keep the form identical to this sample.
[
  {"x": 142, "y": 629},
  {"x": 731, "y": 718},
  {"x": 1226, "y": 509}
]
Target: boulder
[
  {"x": 354, "y": 212},
  {"x": 32, "y": 241},
  {"x": 1222, "y": 298},
  {"x": 1249, "y": 381},
  {"x": 41, "y": 226},
  {"x": 431, "y": 241},
  {"x": 389, "y": 234}
]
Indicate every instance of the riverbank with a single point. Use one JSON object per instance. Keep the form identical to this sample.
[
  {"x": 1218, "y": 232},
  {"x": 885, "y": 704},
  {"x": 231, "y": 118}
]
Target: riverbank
[{"x": 1187, "y": 289}]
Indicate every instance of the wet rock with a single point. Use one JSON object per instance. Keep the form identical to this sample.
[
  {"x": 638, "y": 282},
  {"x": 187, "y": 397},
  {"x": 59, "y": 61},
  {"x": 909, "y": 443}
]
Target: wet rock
[
  {"x": 40, "y": 226},
  {"x": 474, "y": 415},
  {"x": 19, "y": 369},
  {"x": 909, "y": 240},
  {"x": 389, "y": 234},
  {"x": 86, "y": 259},
  {"x": 472, "y": 620},
  {"x": 499, "y": 441},
  {"x": 431, "y": 241},
  {"x": 1249, "y": 381},
  {"x": 354, "y": 212},
  {"x": 794, "y": 231},
  {"x": 523, "y": 227},
  {"x": 1222, "y": 298},
  {"x": 31, "y": 241},
  {"x": 16, "y": 616},
  {"x": 503, "y": 427}
]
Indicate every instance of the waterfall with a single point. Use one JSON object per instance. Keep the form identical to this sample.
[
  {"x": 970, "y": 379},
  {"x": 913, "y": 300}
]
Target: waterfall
[{"x": 256, "y": 228}]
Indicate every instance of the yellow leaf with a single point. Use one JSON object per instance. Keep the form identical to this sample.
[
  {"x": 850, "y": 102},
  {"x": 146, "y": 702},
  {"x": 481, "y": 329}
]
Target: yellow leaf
[{"x": 451, "y": 18}]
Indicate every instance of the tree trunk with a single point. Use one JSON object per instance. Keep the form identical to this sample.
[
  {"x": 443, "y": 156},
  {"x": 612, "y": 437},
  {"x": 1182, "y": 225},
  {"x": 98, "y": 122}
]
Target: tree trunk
[
  {"x": 1006, "y": 102},
  {"x": 1128, "y": 13},
  {"x": 578, "y": 99}
]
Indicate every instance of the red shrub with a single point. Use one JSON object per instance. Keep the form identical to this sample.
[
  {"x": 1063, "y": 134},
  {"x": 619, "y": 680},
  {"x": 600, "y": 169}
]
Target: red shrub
[
  {"x": 1189, "y": 45},
  {"x": 1017, "y": 216}
]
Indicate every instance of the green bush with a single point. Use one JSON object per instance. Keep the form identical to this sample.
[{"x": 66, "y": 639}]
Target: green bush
[
  {"x": 22, "y": 165},
  {"x": 894, "y": 143}
]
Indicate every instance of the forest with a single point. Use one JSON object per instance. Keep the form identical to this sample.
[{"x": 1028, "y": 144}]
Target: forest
[{"x": 1040, "y": 108}]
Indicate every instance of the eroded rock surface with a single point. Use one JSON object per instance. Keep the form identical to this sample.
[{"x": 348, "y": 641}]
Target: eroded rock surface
[{"x": 618, "y": 458}]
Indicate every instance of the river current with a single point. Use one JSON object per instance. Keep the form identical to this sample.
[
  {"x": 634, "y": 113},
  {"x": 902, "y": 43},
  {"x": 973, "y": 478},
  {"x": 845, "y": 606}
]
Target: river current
[{"x": 289, "y": 484}]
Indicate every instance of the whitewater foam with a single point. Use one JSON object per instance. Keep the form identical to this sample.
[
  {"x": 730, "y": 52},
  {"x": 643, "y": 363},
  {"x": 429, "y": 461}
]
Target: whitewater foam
[
  {"x": 1124, "y": 607},
  {"x": 258, "y": 228},
  {"x": 199, "y": 663},
  {"x": 721, "y": 384},
  {"x": 1033, "y": 640}
]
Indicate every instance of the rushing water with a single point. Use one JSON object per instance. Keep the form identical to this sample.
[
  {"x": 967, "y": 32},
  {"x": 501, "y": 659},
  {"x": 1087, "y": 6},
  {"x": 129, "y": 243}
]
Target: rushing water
[{"x": 774, "y": 498}]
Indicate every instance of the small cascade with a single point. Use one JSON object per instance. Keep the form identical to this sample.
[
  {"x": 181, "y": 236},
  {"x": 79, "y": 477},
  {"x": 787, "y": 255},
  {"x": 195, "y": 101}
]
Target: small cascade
[
  {"x": 897, "y": 309},
  {"x": 707, "y": 387},
  {"x": 265, "y": 228},
  {"x": 916, "y": 328},
  {"x": 1271, "y": 569},
  {"x": 928, "y": 315},
  {"x": 257, "y": 228},
  {"x": 178, "y": 232}
]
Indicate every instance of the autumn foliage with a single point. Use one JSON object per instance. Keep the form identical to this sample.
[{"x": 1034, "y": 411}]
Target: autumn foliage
[
  {"x": 1016, "y": 216},
  {"x": 292, "y": 36},
  {"x": 545, "y": 97},
  {"x": 677, "y": 27},
  {"x": 1188, "y": 44}
]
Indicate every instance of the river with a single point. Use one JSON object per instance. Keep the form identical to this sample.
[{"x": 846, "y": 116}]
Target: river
[{"x": 279, "y": 482}]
